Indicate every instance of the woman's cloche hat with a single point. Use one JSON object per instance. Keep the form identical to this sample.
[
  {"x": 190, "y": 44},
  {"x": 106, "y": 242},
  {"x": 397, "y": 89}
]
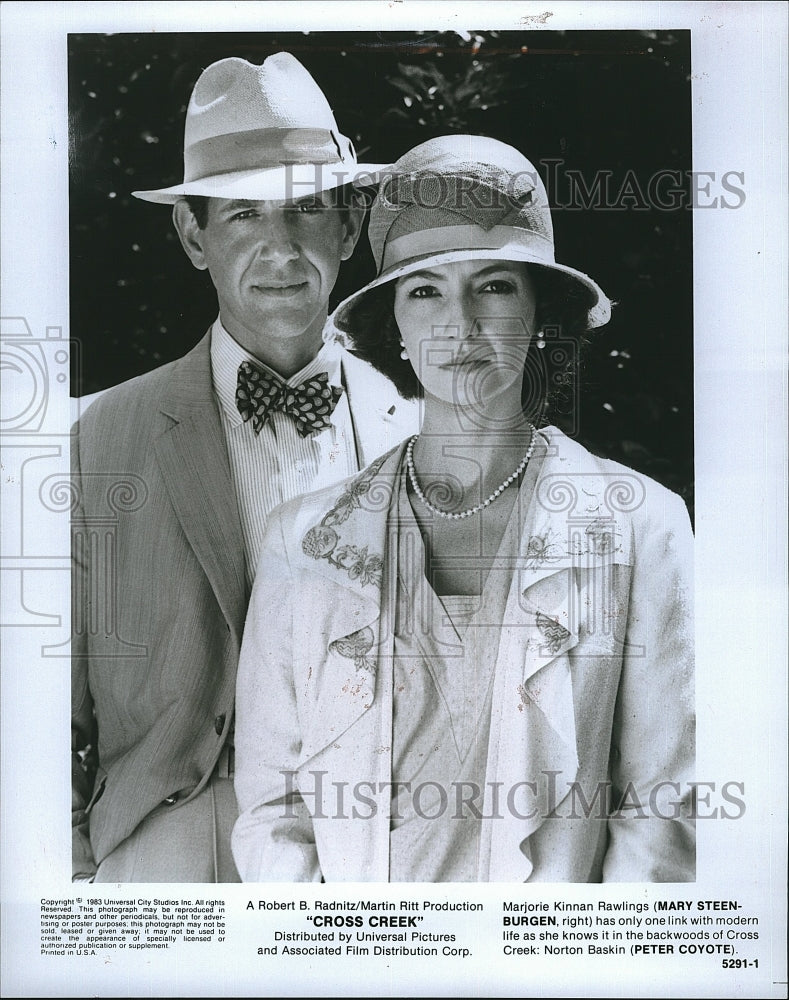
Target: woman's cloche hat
[
  {"x": 461, "y": 197},
  {"x": 262, "y": 132}
]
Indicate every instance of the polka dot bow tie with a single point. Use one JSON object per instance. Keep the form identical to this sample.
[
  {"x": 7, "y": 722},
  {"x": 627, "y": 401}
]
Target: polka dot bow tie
[{"x": 310, "y": 404}]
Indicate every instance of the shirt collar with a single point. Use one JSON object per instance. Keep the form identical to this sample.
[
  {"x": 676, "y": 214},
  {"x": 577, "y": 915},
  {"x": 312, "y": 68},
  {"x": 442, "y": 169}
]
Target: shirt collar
[{"x": 227, "y": 354}]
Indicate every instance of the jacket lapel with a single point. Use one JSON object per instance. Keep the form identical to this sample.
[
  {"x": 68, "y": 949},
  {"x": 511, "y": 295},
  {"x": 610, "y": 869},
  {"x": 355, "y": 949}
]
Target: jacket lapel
[
  {"x": 570, "y": 528},
  {"x": 343, "y": 560},
  {"x": 533, "y": 736},
  {"x": 344, "y": 550},
  {"x": 381, "y": 417},
  {"x": 193, "y": 461}
]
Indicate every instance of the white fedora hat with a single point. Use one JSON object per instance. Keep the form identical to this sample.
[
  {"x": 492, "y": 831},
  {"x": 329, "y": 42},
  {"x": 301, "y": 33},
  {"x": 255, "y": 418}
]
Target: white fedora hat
[{"x": 262, "y": 132}]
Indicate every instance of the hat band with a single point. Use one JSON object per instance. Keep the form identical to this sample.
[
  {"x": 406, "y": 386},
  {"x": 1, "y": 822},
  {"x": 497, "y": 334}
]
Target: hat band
[
  {"x": 445, "y": 239},
  {"x": 261, "y": 149}
]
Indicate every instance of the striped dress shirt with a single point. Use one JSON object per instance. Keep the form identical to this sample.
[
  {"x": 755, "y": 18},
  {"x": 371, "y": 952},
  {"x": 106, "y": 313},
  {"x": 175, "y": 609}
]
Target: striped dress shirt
[{"x": 278, "y": 464}]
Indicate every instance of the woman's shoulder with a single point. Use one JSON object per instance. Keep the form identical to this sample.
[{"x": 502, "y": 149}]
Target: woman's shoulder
[
  {"x": 578, "y": 477},
  {"x": 579, "y": 459}
]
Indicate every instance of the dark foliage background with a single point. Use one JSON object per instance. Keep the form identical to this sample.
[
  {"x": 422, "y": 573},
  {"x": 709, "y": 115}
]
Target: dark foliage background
[{"x": 617, "y": 101}]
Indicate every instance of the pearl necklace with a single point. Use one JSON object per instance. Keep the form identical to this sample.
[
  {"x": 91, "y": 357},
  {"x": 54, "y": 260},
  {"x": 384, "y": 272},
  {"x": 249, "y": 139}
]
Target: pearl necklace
[{"x": 409, "y": 459}]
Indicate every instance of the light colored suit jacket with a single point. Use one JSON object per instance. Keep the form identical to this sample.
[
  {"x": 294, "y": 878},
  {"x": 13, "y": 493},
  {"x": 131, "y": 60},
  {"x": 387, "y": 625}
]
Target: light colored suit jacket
[
  {"x": 159, "y": 587},
  {"x": 593, "y": 686}
]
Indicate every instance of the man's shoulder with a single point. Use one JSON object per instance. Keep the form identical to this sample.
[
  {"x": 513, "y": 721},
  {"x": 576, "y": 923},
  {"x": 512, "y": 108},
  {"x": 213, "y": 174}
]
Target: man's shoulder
[
  {"x": 342, "y": 497},
  {"x": 138, "y": 391},
  {"x": 363, "y": 369},
  {"x": 382, "y": 417},
  {"x": 374, "y": 385},
  {"x": 136, "y": 398}
]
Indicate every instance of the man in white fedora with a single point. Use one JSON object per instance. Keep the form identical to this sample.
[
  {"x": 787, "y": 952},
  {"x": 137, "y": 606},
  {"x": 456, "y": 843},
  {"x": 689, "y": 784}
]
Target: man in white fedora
[{"x": 176, "y": 471}]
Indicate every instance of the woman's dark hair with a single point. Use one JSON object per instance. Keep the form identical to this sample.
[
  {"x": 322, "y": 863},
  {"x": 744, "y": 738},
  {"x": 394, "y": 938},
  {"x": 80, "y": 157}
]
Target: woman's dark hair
[{"x": 561, "y": 327}]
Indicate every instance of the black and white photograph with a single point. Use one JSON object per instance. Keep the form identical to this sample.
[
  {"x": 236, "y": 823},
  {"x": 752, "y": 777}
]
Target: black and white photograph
[
  {"x": 457, "y": 397},
  {"x": 393, "y": 456}
]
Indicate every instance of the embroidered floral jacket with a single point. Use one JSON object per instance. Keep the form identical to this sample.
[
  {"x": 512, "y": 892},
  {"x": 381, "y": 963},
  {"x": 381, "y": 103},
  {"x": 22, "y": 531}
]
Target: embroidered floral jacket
[{"x": 591, "y": 751}]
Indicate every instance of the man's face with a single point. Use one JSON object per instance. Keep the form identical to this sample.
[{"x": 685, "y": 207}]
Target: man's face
[{"x": 273, "y": 263}]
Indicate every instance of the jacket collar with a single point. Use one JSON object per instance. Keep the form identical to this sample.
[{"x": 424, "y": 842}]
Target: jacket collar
[{"x": 347, "y": 542}]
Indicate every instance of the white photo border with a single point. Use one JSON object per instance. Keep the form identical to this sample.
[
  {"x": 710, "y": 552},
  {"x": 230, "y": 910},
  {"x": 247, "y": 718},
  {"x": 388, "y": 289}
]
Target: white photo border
[{"x": 740, "y": 307}]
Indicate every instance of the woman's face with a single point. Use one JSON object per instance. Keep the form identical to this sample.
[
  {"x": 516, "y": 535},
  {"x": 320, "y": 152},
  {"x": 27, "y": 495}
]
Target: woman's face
[{"x": 467, "y": 327}]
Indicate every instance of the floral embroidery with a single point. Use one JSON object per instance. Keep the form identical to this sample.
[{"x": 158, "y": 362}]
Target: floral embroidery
[
  {"x": 350, "y": 498},
  {"x": 542, "y": 549},
  {"x": 319, "y": 542},
  {"x": 356, "y": 646},
  {"x": 322, "y": 541},
  {"x": 360, "y": 566},
  {"x": 347, "y": 502},
  {"x": 553, "y": 633},
  {"x": 601, "y": 538}
]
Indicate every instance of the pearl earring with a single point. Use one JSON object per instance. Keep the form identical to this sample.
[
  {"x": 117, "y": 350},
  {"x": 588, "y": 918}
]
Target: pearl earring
[
  {"x": 403, "y": 351},
  {"x": 540, "y": 341}
]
